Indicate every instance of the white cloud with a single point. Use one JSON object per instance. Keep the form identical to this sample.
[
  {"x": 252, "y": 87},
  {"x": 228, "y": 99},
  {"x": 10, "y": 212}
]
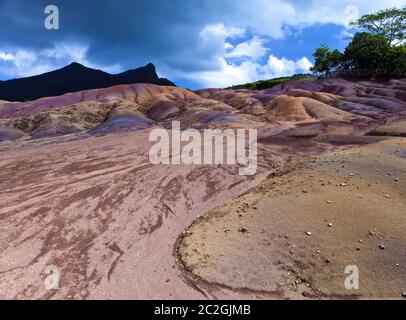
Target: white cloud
[
  {"x": 226, "y": 71},
  {"x": 248, "y": 71},
  {"x": 267, "y": 19},
  {"x": 220, "y": 31},
  {"x": 272, "y": 17},
  {"x": 226, "y": 75},
  {"x": 254, "y": 48},
  {"x": 6, "y": 56},
  {"x": 24, "y": 63},
  {"x": 304, "y": 64}
]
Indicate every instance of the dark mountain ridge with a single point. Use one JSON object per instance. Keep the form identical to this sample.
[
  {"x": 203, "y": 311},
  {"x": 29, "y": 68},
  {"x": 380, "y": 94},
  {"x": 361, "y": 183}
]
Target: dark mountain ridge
[{"x": 72, "y": 78}]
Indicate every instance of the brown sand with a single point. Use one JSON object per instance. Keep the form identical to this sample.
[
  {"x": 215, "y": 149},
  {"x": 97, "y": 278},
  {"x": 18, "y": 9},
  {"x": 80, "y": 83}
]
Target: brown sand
[{"x": 353, "y": 202}]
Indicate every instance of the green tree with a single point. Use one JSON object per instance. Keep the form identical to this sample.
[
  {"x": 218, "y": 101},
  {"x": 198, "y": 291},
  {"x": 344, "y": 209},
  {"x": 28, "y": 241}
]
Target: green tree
[
  {"x": 326, "y": 61},
  {"x": 397, "y": 60},
  {"x": 390, "y": 23},
  {"x": 367, "y": 52}
]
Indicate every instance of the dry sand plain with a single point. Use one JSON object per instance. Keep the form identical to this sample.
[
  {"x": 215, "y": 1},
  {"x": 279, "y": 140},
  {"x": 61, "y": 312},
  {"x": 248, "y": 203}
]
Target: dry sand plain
[
  {"x": 97, "y": 209},
  {"x": 294, "y": 235}
]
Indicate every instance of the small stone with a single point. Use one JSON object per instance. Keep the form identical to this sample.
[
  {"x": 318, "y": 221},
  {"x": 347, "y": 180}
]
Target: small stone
[
  {"x": 327, "y": 261},
  {"x": 308, "y": 233},
  {"x": 397, "y": 265},
  {"x": 382, "y": 246},
  {"x": 396, "y": 179},
  {"x": 360, "y": 241},
  {"x": 328, "y": 202},
  {"x": 404, "y": 294},
  {"x": 387, "y": 196},
  {"x": 358, "y": 249},
  {"x": 243, "y": 230},
  {"x": 343, "y": 185},
  {"x": 330, "y": 225}
]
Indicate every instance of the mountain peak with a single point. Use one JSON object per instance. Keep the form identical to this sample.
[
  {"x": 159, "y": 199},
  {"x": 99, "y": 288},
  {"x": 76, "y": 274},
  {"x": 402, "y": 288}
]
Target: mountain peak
[
  {"x": 75, "y": 77},
  {"x": 75, "y": 65},
  {"x": 150, "y": 66}
]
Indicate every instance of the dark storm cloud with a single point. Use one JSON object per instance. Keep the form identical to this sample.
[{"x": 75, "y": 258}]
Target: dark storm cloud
[{"x": 130, "y": 32}]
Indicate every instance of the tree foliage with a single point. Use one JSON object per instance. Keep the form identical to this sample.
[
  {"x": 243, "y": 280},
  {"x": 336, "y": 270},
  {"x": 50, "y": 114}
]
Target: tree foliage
[
  {"x": 390, "y": 23},
  {"x": 367, "y": 52},
  {"x": 326, "y": 61},
  {"x": 382, "y": 46}
]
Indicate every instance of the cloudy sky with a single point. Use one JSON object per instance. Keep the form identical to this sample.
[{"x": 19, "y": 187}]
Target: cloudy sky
[{"x": 196, "y": 43}]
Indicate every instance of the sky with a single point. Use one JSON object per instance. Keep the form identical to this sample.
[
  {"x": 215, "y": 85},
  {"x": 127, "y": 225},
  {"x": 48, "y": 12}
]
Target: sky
[{"x": 195, "y": 43}]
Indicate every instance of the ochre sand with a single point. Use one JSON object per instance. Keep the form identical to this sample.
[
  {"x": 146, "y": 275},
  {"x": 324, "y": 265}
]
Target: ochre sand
[{"x": 353, "y": 202}]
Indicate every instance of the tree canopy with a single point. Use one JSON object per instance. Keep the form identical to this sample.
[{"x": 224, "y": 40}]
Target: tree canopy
[
  {"x": 380, "y": 46},
  {"x": 390, "y": 23},
  {"x": 326, "y": 60},
  {"x": 367, "y": 52}
]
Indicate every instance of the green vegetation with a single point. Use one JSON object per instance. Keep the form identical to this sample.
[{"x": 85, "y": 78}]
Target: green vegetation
[
  {"x": 326, "y": 60},
  {"x": 267, "y": 84},
  {"x": 390, "y": 23},
  {"x": 380, "y": 46}
]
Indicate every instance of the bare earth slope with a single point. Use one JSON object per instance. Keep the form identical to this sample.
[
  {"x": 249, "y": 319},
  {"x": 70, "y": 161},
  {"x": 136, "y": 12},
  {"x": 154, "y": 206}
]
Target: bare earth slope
[{"x": 78, "y": 192}]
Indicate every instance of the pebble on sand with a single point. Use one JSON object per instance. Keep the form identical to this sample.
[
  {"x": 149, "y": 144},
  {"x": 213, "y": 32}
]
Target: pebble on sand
[
  {"x": 382, "y": 246},
  {"x": 308, "y": 233},
  {"x": 330, "y": 225}
]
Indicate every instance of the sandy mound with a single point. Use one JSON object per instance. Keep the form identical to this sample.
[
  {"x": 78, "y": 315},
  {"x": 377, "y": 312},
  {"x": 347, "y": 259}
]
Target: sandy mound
[
  {"x": 395, "y": 128},
  {"x": 293, "y": 102},
  {"x": 295, "y": 109}
]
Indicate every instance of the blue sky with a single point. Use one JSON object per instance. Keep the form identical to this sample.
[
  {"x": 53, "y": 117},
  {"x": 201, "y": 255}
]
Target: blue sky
[{"x": 196, "y": 43}]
